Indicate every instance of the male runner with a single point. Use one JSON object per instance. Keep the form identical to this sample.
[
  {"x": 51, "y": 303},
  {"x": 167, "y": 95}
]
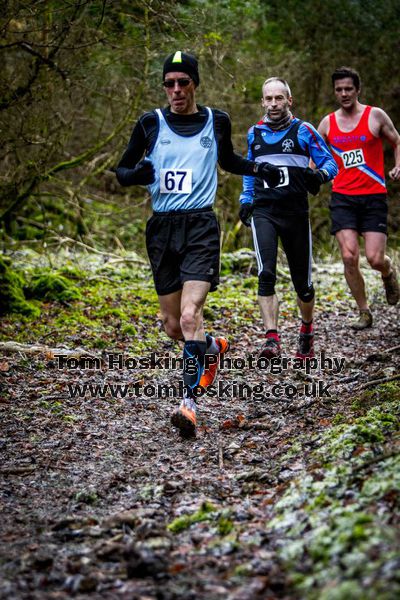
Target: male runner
[
  {"x": 282, "y": 212},
  {"x": 358, "y": 206},
  {"x": 182, "y": 144}
]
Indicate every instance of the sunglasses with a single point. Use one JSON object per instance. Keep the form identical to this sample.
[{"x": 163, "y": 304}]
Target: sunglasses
[{"x": 170, "y": 83}]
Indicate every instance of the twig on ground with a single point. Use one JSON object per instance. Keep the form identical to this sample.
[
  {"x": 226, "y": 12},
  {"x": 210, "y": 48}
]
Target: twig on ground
[
  {"x": 374, "y": 382},
  {"x": 42, "y": 349},
  {"x": 220, "y": 457}
]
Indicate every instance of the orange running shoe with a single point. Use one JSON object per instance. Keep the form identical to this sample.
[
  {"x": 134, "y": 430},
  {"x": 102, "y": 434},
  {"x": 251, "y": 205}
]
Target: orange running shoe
[
  {"x": 185, "y": 420},
  {"x": 209, "y": 375}
]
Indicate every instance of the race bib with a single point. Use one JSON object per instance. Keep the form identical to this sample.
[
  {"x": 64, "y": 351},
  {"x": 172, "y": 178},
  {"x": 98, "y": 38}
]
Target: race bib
[
  {"x": 353, "y": 158},
  {"x": 284, "y": 180},
  {"x": 175, "y": 181}
]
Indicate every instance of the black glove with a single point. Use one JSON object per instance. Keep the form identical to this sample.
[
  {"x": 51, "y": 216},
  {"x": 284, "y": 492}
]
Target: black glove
[
  {"x": 142, "y": 174},
  {"x": 270, "y": 174},
  {"x": 245, "y": 212},
  {"x": 313, "y": 180}
]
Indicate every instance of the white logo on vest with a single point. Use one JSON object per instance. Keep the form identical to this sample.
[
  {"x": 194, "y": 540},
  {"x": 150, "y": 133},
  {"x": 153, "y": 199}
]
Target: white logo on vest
[{"x": 287, "y": 145}]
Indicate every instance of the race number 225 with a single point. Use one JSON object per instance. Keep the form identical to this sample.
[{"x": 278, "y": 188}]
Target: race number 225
[{"x": 353, "y": 158}]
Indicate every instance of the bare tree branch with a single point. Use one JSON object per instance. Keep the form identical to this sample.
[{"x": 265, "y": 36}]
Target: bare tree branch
[{"x": 43, "y": 59}]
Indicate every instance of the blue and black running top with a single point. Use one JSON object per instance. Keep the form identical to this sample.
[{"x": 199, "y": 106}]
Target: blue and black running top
[{"x": 291, "y": 150}]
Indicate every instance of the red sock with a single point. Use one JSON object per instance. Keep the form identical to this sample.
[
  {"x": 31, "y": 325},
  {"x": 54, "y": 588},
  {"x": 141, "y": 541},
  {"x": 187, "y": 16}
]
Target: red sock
[
  {"x": 306, "y": 327},
  {"x": 273, "y": 333}
]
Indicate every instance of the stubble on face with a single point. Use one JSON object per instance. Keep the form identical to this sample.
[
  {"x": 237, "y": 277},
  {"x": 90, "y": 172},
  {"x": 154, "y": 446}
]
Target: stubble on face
[
  {"x": 275, "y": 100},
  {"x": 346, "y": 93},
  {"x": 181, "y": 99}
]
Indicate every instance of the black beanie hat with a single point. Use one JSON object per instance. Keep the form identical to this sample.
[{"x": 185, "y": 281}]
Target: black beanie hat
[{"x": 184, "y": 63}]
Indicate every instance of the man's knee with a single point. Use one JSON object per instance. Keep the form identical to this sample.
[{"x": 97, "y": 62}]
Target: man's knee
[
  {"x": 190, "y": 316},
  {"x": 306, "y": 293},
  {"x": 376, "y": 260},
  {"x": 172, "y": 327},
  {"x": 266, "y": 284},
  {"x": 350, "y": 259}
]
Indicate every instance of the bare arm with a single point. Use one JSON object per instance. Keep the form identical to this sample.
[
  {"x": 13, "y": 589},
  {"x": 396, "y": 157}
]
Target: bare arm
[
  {"x": 323, "y": 130},
  {"x": 388, "y": 131}
]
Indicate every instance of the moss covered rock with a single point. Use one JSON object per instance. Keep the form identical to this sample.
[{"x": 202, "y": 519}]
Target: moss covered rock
[
  {"x": 53, "y": 286},
  {"x": 240, "y": 261},
  {"x": 12, "y": 297}
]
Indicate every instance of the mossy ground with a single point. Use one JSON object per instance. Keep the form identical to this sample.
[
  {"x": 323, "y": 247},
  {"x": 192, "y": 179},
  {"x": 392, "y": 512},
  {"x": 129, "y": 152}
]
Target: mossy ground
[
  {"x": 98, "y": 303},
  {"x": 332, "y": 520}
]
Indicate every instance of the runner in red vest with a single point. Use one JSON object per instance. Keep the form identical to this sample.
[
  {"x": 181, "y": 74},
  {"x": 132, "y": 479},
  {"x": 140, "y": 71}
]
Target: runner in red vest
[{"x": 358, "y": 206}]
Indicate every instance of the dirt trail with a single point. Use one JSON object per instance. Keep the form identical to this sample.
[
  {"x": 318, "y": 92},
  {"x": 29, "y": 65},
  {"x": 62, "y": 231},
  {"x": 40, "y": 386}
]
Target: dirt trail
[{"x": 90, "y": 485}]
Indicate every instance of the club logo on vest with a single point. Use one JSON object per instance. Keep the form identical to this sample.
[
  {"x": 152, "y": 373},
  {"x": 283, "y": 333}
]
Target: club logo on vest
[
  {"x": 165, "y": 141},
  {"x": 287, "y": 145},
  {"x": 206, "y": 142}
]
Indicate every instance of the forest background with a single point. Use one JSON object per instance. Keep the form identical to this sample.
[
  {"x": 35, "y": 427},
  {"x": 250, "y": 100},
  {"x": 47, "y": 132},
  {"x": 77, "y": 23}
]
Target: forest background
[{"x": 77, "y": 74}]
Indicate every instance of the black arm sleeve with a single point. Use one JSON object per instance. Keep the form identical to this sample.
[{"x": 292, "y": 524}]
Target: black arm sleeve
[
  {"x": 228, "y": 159},
  {"x": 139, "y": 143}
]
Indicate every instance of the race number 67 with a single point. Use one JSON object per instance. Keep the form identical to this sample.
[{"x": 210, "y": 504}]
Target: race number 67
[{"x": 176, "y": 181}]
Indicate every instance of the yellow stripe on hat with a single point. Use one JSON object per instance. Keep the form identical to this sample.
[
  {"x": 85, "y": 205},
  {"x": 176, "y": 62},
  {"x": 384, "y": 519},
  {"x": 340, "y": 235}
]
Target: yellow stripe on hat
[{"x": 177, "y": 57}]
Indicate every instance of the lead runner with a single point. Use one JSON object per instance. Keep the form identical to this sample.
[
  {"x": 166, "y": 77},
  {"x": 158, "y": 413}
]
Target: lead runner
[{"x": 181, "y": 145}]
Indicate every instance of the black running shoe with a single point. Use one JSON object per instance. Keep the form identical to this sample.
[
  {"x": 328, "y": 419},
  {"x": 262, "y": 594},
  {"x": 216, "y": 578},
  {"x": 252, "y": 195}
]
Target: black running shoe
[{"x": 305, "y": 348}]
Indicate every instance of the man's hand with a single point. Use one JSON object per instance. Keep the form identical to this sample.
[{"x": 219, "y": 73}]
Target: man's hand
[
  {"x": 245, "y": 212},
  {"x": 394, "y": 173},
  {"x": 313, "y": 180},
  {"x": 143, "y": 173},
  {"x": 270, "y": 174}
]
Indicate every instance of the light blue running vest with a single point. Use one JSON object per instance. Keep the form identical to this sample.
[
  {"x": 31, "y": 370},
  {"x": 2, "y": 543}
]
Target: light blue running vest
[{"x": 185, "y": 168}]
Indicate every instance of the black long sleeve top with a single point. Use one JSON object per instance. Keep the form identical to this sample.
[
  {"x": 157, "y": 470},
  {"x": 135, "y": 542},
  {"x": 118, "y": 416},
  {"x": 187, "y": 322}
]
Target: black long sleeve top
[{"x": 144, "y": 136}]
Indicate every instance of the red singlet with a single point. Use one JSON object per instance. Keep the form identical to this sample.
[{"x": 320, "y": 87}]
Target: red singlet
[{"x": 359, "y": 157}]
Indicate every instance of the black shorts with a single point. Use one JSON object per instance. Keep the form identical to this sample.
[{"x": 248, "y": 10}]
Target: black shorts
[
  {"x": 362, "y": 213},
  {"x": 183, "y": 246}
]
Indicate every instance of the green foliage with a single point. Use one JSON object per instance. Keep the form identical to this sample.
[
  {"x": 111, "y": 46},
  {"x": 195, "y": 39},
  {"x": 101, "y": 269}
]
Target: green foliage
[
  {"x": 204, "y": 513},
  {"x": 129, "y": 329},
  {"x": 243, "y": 570},
  {"x": 225, "y": 526},
  {"x": 12, "y": 298},
  {"x": 241, "y": 261},
  {"x": 86, "y": 496},
  {"x": 337, "y": 540},
  {"x": 77, "y": 75},
  {"x": 115, "y": 301},
  {"x": 52, "y": 286}
]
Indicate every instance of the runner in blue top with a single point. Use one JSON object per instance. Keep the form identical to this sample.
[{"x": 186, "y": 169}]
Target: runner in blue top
[
  {"x": 181, "y": 145},
  {"x": 288, "y": 143}
]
